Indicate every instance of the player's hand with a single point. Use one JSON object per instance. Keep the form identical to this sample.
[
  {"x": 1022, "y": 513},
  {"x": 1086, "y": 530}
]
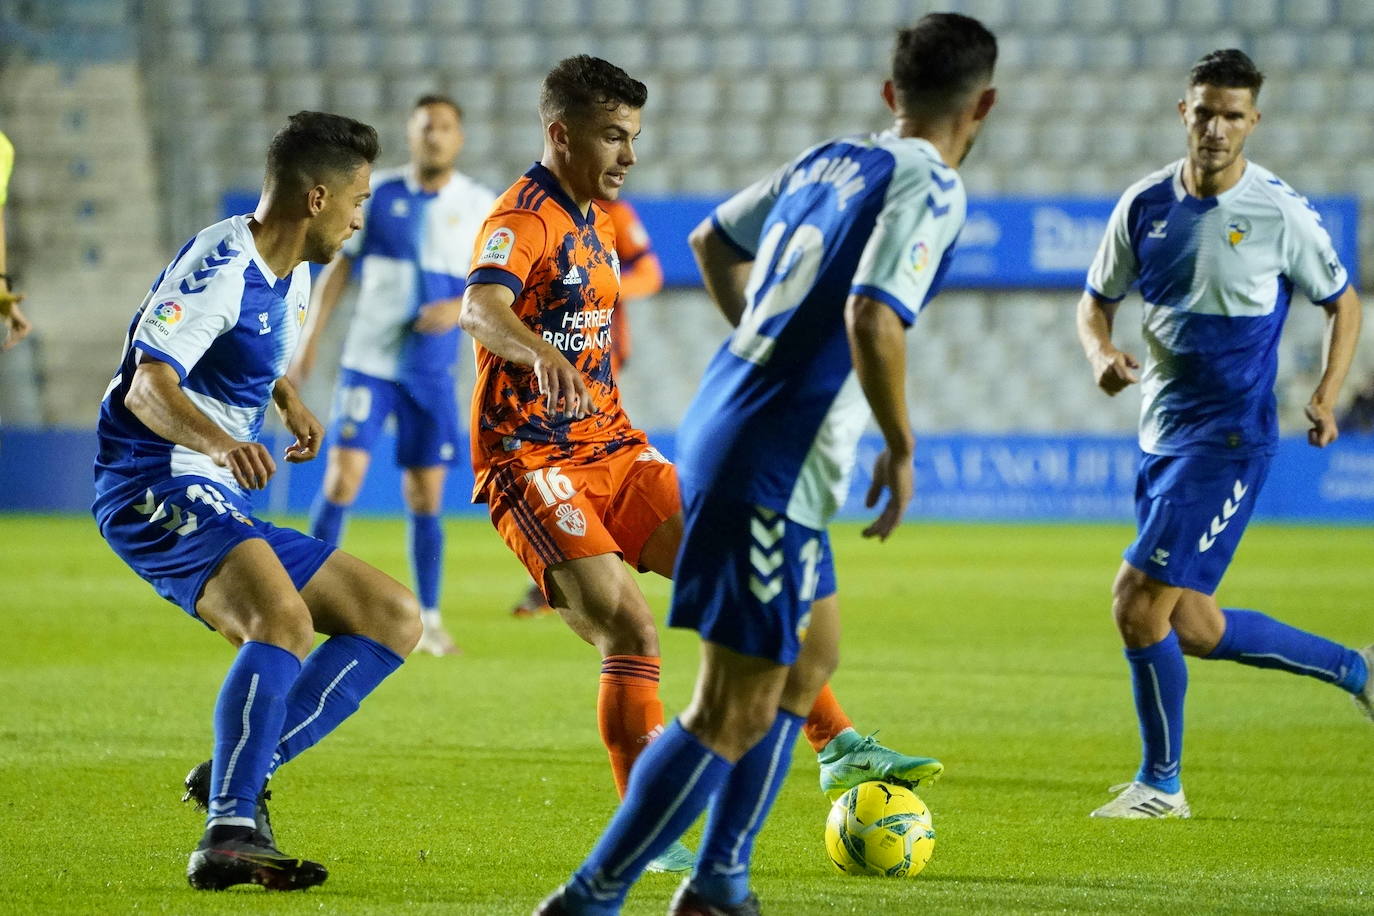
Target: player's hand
[
  {"x": 1323, "y": 431},
  {"x": 17, "y": 326},
  {"x": 1113, "y": 370},
  {"x": 250, "y": 463},
  {"x": 439, "y": 317},
  {"x": 562, "y": 385},
  {"x": 309, "y": 434},
  {"x": 897, "y": 476}
]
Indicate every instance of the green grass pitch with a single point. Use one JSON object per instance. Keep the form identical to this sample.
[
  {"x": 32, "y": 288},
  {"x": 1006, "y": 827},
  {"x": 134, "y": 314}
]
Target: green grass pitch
[{"x": 475, "y": 784}]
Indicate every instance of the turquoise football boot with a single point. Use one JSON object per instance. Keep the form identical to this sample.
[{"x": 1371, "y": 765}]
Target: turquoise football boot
[{"x": 849, "y": 760}]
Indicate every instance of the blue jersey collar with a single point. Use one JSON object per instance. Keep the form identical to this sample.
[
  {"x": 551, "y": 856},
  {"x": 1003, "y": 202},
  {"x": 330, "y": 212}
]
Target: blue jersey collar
[{"x": 541, "y": 176}]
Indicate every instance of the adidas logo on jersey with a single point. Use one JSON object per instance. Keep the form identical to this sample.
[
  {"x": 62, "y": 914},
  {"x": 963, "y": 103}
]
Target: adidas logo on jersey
[{"x": 573, "y": 277}]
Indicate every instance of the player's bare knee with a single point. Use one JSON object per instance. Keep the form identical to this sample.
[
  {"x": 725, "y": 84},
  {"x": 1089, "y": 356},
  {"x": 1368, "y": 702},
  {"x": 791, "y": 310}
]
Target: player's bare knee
[
  {"x": 397, "y": 619},
  {"x": 286, "y": 624}
]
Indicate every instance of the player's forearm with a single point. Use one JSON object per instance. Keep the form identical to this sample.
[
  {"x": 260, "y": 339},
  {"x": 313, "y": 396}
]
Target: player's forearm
[
  {"x": 1094, "y": 322},
  {"x": 643, "y": 278},
  {"x": 723, "y": 272},
  {"x": 156, "y": 398},
  {"x": 325, "y": 296},
  {"x": 488, "y": 319},
  {"x": 877, "y": 344},
  {"x": 285, "y": 396},
  {"x": 1342, "y": 333}
]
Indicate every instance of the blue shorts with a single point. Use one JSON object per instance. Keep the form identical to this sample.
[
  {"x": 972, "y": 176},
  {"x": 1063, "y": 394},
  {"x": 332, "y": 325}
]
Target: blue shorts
[
  {"x": 746, "y": 577},
  {"x": 426, "y": 417},
  {"x": 178, "y": 531},
  {"x": 1190, "y": 514}
]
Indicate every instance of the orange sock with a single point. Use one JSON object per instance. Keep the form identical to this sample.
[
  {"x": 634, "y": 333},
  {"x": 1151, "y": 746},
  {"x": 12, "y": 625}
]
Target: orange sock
[
  {"x": 628, "y": 711},
  {"x": 827, "y": 720}
]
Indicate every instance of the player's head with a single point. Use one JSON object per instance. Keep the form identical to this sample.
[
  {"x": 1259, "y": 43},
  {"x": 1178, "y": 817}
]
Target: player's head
[
  {"x": 1219, "y": 108},
  {"x": 318, "y": 167},
  {"x": 435, "y": 133},
  {"x": 942, "y": 72},
  {"x": 590, "y": 109}
]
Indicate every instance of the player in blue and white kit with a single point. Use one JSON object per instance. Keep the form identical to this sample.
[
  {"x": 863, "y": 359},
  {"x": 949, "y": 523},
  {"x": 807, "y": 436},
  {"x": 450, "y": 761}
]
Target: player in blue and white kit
[
  {"x": 1217, "y": 245},
  {"x": 847, "y": 244},
  {"x": 402, "y": 345},
  {"x": 179, "y": 458}
]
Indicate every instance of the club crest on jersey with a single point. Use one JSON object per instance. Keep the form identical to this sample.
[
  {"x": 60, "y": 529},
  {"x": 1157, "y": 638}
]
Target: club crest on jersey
[
  {"x": 165, "y": 315},
  {"x": 301, "y": 311},
  {"x": 498, "y": 247},
  {"x": 920, "y": 256},
  {"x": 1236, "y": 230},
  {"x": 571, "y": 520}
]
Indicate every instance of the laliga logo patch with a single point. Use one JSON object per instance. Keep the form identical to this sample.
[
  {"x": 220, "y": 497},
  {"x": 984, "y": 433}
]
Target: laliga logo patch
[
  {"x": 165, "y": 315},
  {"x": 1236, "y": 230},
  {"x": 920, "y": 256},
  {"x": 498, "y": 247},
  {"x": 571, "y": 520}
]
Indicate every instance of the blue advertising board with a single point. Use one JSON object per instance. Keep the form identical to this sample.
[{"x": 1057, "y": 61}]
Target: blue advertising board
[{"x": 958, "y": 477}]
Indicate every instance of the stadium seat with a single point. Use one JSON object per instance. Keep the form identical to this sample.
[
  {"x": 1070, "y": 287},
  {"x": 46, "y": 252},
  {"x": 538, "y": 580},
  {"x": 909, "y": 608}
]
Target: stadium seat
[
  {"x": 1334, "y": 50},
  {"x": 1200, "y": 14},
  {"x": 282, "y": 14},
  {"x": 460, "y": 52},
  {"x": 347, "y": 52},
  {"x": 1357, "y": 13},
  {"x": 995, "y": 14},
  {"x": 1111, "y": 52},
  {"x": 464, "y": 14},
  {"x": 404, "y": 51},
  {"x": 1144, "y": 15},
  {"x": 232, "y": 48},
  {"x": 402, "y": 91},
  {"x": 825, "y": 16},
  {"x": 683, "y": 53},
  {"x": 1256, "y": 16},
  {"x": 670, "y": 15},
  {"x": 288, "y": 50},
  {"x": 629, "y": 52},
  {"x": 339, "y": 14},
  {"x": 694, "y": 94},
  {"x": 226, "y": 13},
  {"x": 736, "y": 52},
  {"x": 477, "y": 95},
  {"x": 1093, "y": 15},
  {"x": 1307, "y": 13},
  {"x": 503, "y": 15},
  {"x": 1278, "y": 51},
  {"x": 568, "y": 42},
  {"x": 721, "y": 16},
  {"x": 521, "y": 100},
  {"x": 172, "y": 13},
  {"x": 356, "y": 95},
  {"x": 297, "y": 91},
  {"x": 397, "y": 13},
  {"x": 751, "y": 97},
  {"x": 808, "y": 96},
  {"x": 1039, "y": 15}
]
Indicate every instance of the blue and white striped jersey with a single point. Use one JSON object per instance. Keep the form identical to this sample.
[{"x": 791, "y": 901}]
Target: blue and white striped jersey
[
  {"x": 220, "y": 317},
  {"x": 1217, "y": 276},
  {"x": 778, "y": 416},
  {"x": 415, "y": 247}
]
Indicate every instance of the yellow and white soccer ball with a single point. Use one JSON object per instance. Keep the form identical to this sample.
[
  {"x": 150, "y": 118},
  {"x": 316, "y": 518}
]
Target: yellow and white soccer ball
[{"x": 877, "y": 828}]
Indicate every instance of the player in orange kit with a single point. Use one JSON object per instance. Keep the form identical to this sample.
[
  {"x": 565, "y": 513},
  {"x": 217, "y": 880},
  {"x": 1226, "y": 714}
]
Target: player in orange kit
[
  {"x": 641, "y": 275},
  {"x": 572, "y": 487}
]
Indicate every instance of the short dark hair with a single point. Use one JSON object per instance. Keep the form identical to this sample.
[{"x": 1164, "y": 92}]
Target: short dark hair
[
  {"x": 315, "y": 146},
  {"x": 1228, "y": 68},
  {"x": 437, "y": 98},
  {"x": 941, "y": 59},
  {"x": 580, "y": 84}
]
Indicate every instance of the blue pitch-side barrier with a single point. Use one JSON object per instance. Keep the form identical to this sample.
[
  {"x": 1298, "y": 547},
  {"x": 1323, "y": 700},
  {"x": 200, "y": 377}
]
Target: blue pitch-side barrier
[
  {"x": 1008, "y": 242},
  {"x": 993, "y": 478}
]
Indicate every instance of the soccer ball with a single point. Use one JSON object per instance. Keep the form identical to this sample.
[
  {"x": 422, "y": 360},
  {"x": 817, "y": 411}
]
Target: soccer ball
[{"x": 877, "y": 828}]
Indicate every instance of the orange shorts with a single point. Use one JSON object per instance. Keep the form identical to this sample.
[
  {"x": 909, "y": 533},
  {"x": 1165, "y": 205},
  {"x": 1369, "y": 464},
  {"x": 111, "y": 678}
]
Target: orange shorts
[{"x": 548, "y": 515}]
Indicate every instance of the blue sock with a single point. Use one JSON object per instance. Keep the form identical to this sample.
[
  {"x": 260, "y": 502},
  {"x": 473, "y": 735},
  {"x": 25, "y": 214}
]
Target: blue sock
[
  {"x": 427, "y": 558},
  {"x": 327, "y": 520},
  {"x": 1160, "y": 678},
  {"x": 248, "y": 719},
  {"x": 334, "y": 680},
  {"x": 1252, "y": 638},
  {"x": 738, "y": 813},
  {"x": 671, "y": 783}
]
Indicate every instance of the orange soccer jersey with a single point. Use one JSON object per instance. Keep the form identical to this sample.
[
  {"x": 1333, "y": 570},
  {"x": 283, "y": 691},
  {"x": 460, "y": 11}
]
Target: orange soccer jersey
[{"x": 563, "y": 269}]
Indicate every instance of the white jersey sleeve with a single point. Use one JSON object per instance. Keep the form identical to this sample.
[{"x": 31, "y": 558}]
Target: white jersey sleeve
[
  {"x": 1114, "y": 267},
  {"x": 1309, "y": 257},
  {"x": 915, "y": 232},
  {"x": 183, "y": 316},
  {"x": 740, "y": 219}
]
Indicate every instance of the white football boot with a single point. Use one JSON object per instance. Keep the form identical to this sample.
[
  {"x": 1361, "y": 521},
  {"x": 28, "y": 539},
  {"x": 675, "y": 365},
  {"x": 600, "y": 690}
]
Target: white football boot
[
  {"x": 1365, "y": 698},
  {"x": 1139, "y": 801}
]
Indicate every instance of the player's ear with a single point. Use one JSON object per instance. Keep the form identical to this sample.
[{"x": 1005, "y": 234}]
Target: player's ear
[
  {"x": 557, "y": 133},
  {"x": 1183, "y": 111},
  {"x": 315, "y": 199},
  {"x": 986, "y": 99},
  {"x": 890, "y": 95}
]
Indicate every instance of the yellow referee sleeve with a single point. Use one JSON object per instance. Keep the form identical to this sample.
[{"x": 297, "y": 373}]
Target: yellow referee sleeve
[{"x": 6, "y": 166}]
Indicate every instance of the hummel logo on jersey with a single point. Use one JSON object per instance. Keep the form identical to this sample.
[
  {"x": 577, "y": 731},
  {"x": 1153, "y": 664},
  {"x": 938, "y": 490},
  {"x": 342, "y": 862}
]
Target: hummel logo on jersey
[
  {"x": 265, "y": 317},
  {"x": 400, "y": 207},
  {"x": 572, "y": 277},
  {"x": 1219, "y": 522},
  {"x": 1158, "y": 231},
  {"x": 1160, "y": 557}
]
